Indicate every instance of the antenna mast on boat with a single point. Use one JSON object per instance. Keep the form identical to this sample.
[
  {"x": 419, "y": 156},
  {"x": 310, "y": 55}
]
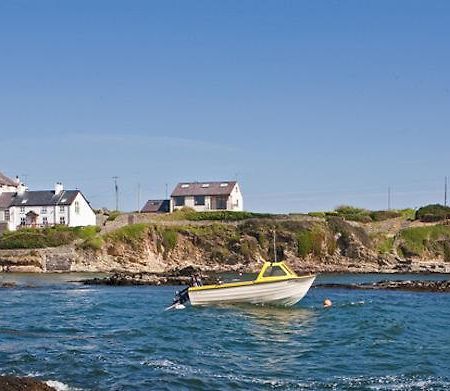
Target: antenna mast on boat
[{"x": 274, "y": 246}]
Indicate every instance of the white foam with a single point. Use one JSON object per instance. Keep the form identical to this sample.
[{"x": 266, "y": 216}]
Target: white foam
[{"x": 59, "y": 386}]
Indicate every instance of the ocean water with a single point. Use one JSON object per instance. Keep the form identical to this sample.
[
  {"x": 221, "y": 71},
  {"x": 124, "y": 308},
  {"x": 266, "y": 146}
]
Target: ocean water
[{"x": 104, "y": 338}]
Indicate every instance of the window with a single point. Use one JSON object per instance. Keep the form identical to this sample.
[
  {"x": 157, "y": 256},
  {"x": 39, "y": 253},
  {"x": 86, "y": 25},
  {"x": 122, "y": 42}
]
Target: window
[
  {"x": 274, "y": 271},
  {"x": 23, "y": 221},
  {"x": 185, "y": 185},
  {"x": 44, "y": 210},
  {"x": 179, "y": 201},
  {"x": 22, "y": 209},
  {"x": 44, "y": 220},
  {"x": 199, "y": 200},
  {"x": 6, "y": 214},
  {"x": 224, "y": 184},
  {"x": 205, "y": 185},
  {"x": 62, "y": 208},
  {"x": 77, "y": 207},
  {"x": 62, "y": 220},
  {"x": 221, "y": 202}
]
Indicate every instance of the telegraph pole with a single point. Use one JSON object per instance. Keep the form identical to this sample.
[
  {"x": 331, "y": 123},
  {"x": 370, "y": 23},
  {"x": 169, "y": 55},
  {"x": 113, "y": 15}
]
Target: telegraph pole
[
  {"x": 167, "y": 192},
  {"x": 389, "y": 198},
  {"x": 445, "y": 191},
  {"x": 116, "y": 189}
]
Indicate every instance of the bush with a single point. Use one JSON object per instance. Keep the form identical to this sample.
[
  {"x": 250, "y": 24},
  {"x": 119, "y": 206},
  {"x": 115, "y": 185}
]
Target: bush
[
  {"x": 417, "y": 240},
  {"x": 433, "y": 213},
  {"x": 382, "y": 215},
  {"x": 130, "y": 234},
  {"x": 169, "y": 239},
  {"x": 41, "y": 238},
  {"x": 113, "y": 215}
]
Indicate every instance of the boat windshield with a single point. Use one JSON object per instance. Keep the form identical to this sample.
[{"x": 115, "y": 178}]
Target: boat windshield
[{"x": 274, "y": 271}]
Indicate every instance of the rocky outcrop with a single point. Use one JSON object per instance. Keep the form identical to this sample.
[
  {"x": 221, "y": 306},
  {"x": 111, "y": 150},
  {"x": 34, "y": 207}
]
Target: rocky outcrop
[
  {"x": 415, "y": 286},
  {"x": 319, "y": 246},
  {"x": 12, "y": 383}
]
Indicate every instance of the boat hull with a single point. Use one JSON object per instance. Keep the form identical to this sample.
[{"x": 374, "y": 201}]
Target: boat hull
[{"x": 282, "y": 293}]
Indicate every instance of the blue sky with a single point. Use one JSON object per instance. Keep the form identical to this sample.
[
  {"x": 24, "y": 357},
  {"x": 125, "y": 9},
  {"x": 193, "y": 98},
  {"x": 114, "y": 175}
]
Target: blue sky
[{"x": 310, "y": 104}]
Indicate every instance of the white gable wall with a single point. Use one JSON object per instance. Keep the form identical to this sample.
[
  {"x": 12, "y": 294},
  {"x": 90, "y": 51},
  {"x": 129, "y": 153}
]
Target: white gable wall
[{"x": 80, "y": 213}]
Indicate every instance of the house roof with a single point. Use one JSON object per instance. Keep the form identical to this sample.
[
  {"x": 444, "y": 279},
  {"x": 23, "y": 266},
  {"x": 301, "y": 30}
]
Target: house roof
[
  {"x": 44, "y": 198},
  {"x": 203, "y": 188},
  {"x": 5, "y": 200},
  {"x": 156, "y": 206},
  {"x": 5, "y": 181}
]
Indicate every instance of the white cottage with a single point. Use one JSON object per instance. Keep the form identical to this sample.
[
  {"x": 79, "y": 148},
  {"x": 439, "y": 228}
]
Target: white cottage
[
  {"x": 208, "y": 196},
  {"x": 48, "y": 208},
  {"x": 8, "y": 184}
]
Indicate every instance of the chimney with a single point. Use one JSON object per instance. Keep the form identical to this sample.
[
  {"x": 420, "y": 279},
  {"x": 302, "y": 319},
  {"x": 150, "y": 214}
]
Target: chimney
[
  {"x": 21, "y": 189},
  {"x": 58, "y": 187}
]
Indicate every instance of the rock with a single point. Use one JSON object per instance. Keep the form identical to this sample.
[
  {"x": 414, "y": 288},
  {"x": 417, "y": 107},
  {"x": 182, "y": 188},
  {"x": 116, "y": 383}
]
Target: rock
[
  {"x": 8, "y": 284},
  {"x": 415, "y": 286},
  {"x": 12, "y": 383}
]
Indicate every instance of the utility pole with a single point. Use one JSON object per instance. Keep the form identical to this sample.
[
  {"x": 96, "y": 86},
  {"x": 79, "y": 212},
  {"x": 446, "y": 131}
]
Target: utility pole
[
  {"x": 167, "y": 191},
  {"x": 445, "y": 191},
  {"x": 389, "y": 198},
  {"x": 116, "y": 189},
  {"x": 274, "y": 246},
  {"x": 139, "y": 198}
]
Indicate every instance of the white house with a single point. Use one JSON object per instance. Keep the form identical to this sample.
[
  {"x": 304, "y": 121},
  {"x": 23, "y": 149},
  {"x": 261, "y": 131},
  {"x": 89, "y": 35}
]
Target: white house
[
  {"x": 8, "y": 184},
  {"x": 207, "y": 196},
  {"x": 48, "y": 208}
]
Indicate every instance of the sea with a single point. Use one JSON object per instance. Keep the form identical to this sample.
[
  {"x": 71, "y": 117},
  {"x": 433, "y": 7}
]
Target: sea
[{"x": 77, "y": 337}]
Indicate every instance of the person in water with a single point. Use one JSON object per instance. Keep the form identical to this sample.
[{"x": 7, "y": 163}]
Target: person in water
[{"x": 327, "y": 303}]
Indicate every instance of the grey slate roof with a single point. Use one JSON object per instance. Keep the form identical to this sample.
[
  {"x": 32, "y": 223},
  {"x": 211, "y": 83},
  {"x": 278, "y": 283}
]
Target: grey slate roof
[
  {"x": 156, "y": 206},
  {"x": 45, "y": 198},
  {"x": 200, "y": 188},
  {"x": 5, "y": 181},
  {"x": 5, "y": 200}
]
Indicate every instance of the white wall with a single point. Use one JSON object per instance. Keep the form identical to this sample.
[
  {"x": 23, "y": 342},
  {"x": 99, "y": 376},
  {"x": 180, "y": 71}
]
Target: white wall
[
  {"x": 235, "y": 202},
  {"x": 84, "y": 216}
]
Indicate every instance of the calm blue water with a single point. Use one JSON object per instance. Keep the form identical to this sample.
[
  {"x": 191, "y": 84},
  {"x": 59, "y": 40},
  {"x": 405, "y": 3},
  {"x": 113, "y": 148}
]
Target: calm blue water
[{"x": 102, "y": 338}]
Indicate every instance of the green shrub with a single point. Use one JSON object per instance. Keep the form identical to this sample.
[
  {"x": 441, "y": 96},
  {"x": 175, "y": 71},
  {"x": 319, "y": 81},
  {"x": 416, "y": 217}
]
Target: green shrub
[
  {"x": 169, "y": 239},
  {"x": 130, "y": 234},
  {"x": 93, "y": 243},
  {"x": 386, "y": 245},
  {"x": 304, "y": 243},
  {"x": 382, "y": 215},
  {"x": 113, "y": 215},
  {"x": 433, "y": 213},
  {"x": 415, "y": 241}
]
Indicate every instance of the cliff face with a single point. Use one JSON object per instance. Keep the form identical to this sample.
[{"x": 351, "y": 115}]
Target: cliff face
[{"x": 309, "y": 244}]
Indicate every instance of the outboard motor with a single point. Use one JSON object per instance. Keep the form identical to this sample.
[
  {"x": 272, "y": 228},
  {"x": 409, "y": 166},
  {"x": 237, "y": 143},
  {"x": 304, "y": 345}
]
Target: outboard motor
[{"x": 181, "y": 297}]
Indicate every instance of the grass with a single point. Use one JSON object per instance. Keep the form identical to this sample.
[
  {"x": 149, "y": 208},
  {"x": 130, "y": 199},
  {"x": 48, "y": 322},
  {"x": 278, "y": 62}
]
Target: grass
[
  {"x": 416, "y": 241},
  {"x": 169, "y": 239},
  {"x": 113, "y": 215},
  {"x": 385, "y": 245},
  {"x": 351, "y": 213},
  {"x": 129, "y": 234},
  {"x": 45, "y": 237}
]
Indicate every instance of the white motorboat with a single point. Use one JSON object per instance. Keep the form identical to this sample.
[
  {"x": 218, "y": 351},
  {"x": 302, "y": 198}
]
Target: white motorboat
[{"x": 275, "y": 284}]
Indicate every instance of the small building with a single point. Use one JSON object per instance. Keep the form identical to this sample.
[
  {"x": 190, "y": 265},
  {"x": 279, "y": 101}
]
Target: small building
[
  {"x": 207, "y": 196},
  {"x": 8, "y": 184},
  {"x": 49, "y": 207},
  {"x": 156, "y": 206}
]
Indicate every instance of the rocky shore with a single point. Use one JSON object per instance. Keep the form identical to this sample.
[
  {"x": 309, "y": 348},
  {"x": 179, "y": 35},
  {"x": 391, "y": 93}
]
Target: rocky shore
[
  {"x": 173, "y": 277},
  {"x": 13, "y": 383},
  {"x": 413, "y": 286}
]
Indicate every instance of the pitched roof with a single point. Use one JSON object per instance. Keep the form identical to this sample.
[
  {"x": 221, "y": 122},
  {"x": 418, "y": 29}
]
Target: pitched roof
[
  {"x": 44, "y": 198},
  {"x": 156, "y": 206},
  {"x": 5, "y": 181},
  {"x": 5, "y": 200},
  {"x": 203, "y": 188}
]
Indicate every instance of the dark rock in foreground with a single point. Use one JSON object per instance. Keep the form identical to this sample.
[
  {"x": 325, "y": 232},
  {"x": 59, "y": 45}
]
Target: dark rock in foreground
[
  {"x": 414, "y": 286},
  {"x": 12, "y": 383}
]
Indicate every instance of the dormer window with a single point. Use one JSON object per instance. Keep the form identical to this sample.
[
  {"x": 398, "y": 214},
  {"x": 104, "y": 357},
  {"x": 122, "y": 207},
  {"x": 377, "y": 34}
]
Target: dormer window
[
  {"x": 205, "y": 185},
  {"x": 224, "y": 184}
]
